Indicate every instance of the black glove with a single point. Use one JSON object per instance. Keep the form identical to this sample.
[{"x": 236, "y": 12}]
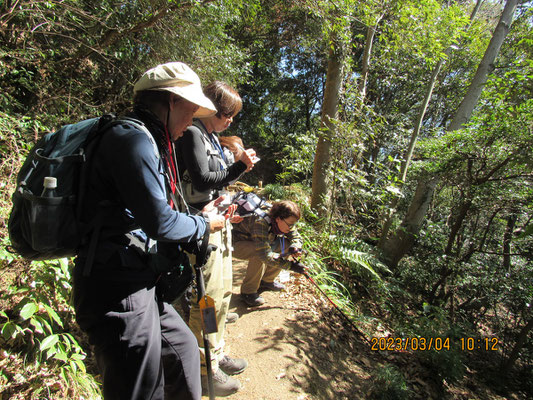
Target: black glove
[
  {"x": 298, "y": 267},
  {"x": 293, "y": 250}
]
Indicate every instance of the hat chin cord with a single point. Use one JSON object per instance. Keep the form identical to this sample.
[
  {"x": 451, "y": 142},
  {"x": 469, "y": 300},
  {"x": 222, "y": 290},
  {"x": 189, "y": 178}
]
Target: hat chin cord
[{"x": 168, "y": 120}]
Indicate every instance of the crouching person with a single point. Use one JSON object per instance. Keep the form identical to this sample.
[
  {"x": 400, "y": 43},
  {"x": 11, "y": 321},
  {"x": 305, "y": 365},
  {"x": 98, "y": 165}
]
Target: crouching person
[{"x": 266, "y": 242}]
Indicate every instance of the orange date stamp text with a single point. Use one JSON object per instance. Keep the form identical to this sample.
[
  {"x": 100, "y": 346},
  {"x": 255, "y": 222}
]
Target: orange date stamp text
[{"x": 433, "y": 343}]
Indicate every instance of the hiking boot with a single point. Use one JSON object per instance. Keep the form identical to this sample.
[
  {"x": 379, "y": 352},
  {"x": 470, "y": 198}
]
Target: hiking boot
[
  {"x": 252, "y": 299},
  {"x": 232, "y": 317},
  {"x": 273, "y": 286},
  {"x": 223, "y": 384},
  {"x": 232, "y": 366}
]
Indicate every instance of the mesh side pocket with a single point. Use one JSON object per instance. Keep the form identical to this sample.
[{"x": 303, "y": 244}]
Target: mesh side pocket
[{"x": 49, "y": 225}]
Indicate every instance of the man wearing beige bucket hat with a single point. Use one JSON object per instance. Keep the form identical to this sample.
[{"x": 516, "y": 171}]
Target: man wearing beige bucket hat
[
  {"x": 177, "y": 78},
  {"x": 143, "y": 348}
]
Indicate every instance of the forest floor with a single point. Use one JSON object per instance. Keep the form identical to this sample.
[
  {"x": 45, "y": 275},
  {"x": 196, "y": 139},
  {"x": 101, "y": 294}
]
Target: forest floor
[
  {"x": 292, "y": 350},
  {"x": 299, "y": 348}
]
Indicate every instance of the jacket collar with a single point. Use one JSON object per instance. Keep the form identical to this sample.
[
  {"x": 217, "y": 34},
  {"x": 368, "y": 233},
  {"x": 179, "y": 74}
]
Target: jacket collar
[{"x": 152, "y": 122}]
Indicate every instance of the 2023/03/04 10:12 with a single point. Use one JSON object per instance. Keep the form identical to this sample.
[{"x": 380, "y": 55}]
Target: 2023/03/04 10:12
[{"x": 434, "y": 343}]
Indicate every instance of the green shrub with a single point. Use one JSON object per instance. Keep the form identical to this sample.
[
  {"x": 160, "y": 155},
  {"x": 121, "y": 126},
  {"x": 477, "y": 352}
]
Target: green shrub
[
  {"x": 445, "y": 364},
  {"x": 37, "y": 329},
  {"x": 388, "y": 383},
  {"x": 275, "y": 192}
]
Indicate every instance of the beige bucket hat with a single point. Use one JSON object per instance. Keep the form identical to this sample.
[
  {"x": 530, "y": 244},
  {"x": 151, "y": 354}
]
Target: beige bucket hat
[{"x": 178, "y": 78}]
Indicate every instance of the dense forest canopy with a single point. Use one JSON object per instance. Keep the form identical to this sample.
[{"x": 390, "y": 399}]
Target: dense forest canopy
[{"x": 404, "y": 128}]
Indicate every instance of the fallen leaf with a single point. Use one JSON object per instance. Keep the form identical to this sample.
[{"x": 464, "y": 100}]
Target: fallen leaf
[{"x": 282, "y": 375}]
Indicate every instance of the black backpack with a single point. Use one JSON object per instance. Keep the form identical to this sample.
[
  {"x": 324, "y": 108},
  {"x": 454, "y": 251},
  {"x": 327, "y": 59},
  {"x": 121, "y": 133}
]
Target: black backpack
[{"x": 42, "y": 228}]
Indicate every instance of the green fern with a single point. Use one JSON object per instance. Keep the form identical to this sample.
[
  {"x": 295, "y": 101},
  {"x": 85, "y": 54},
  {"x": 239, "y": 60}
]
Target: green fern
[
  {"x": 356, "y": 259},
  {"x": 349, "y": 252}
]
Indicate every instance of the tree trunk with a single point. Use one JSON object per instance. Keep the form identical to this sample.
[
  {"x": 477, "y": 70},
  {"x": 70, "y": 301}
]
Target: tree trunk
[
  {"x": 329, "y": 112},
  {"x": 446, "y": 271},
  {"x": 521, "y": 339},
  {"x": 507, "y": 237},
  {"x": 486, "y": 66},
  {"x": 403, "y": 240},
  {"x": 461, "y": 116},
  {"x": 456, "y": 225},
  {"x": 365, "y": 67},
  {"x": 479, "y": 247}
]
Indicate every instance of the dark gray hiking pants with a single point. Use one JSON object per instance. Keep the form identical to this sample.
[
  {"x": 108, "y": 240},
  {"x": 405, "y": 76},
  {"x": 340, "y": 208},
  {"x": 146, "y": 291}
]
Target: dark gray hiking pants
[{"x": 143, "y": 348}]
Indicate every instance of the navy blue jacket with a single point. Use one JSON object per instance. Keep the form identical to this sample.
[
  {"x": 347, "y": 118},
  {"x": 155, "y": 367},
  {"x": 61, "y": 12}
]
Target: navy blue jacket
[{"x": 127, "y": 172}]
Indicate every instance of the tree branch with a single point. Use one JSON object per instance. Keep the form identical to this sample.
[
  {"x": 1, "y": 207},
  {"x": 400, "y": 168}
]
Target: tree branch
[
  {"x": 113, "y": 35},
  {"x": 493, "y": 171},
  {"x": 508, "y": 177},
  {"x": 500, "y": 253}
]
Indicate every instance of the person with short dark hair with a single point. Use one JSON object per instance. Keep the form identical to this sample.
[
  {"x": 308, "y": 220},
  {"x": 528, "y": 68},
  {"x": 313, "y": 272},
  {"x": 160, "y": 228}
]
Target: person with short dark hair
[
  {"x": 144, "y": 350},
  {"x": 267, "y": 242},
  {"x": 207, "y": 170}
]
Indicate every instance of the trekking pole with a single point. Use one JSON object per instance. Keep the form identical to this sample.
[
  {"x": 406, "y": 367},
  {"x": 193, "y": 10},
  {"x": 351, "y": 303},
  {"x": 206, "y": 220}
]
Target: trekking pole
[
  {"x": 335, "y": 306},
  {"x": 207, "y": 309},
  {"x": 202, "y": 295}
]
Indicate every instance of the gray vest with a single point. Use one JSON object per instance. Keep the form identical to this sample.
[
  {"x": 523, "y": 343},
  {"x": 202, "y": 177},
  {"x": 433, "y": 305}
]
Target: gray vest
[{"x": 215, "y": 163}]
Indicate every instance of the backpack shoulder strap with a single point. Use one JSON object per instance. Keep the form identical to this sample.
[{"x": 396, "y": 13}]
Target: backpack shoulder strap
[
  {"x": 210, "y": 147},
  {"x": 107, "y": 122},
  {"x": 136, "y": 124}
]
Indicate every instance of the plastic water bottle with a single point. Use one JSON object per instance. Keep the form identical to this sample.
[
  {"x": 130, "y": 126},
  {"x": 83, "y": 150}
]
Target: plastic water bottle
[
  {"x": 50, "y": 185},
  {"x": 45, "y": 222}
]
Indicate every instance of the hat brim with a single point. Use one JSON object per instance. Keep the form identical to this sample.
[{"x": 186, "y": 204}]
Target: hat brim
[{"x": 191, "y": 93}]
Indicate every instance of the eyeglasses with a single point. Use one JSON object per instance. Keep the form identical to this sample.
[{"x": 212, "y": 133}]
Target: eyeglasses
[
  {"x": 288, "y": 225},
  {"x": 224, "y": 115}
]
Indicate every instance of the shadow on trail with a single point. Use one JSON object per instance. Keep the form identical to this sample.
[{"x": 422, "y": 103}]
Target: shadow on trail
[
  {"x": 238, "y": 306},
  {"x": 325, "y": 364},
  {"x": 327, "y": 360}
]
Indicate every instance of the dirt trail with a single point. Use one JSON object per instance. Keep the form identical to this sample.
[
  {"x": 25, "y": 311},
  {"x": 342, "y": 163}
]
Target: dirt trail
[
  {"x": 299, "y": 348},
  {"x": 293, "y": 350}
]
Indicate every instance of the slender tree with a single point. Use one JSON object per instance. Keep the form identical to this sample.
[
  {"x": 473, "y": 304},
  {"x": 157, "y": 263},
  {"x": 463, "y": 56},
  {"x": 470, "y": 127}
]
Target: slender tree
[
  {"x": 391, "y": 251},
  {"x": 416, "y": 130},
  {"x": 365, "y": 64},
  {"x": 329, "y": 113},
  {"x": 339, "y": 16},
  {"x": 485, "y": 68}
]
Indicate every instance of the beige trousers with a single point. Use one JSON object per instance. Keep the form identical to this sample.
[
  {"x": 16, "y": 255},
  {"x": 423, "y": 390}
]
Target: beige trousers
[
  {"x": 218, "y": 285},
  {"x": 256, "y": 271}
]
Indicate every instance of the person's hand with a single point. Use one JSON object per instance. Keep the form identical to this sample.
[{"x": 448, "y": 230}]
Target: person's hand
[
  {"x": 298, "y": 267},
  {"x": 230, "y": 212},
  {"x": 212, "y": 205},
  {"x": 248, "y": 157},
  {"x": 236, "y": 219},
  {"x": 216, "y": 222},
  {"x": 295, "y": 252}
]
